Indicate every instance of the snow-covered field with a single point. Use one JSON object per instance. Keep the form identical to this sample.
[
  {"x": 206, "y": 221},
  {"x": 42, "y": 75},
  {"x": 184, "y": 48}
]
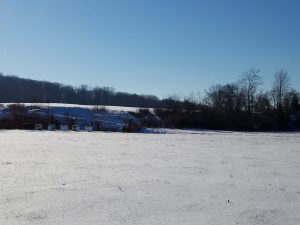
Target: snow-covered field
[{"x": 186, "y": 178}]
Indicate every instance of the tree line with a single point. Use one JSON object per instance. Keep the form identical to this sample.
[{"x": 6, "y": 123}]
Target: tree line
[
  {"x": 244, "y": 95},
  {"x": 239, "y": 105}
]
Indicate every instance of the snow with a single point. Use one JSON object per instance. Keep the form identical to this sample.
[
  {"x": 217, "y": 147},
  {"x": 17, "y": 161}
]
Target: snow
[
  {"x": 182, "y": 178},
  {"x": 182, "y": 131},
  {"x": 64, "y": 105}
]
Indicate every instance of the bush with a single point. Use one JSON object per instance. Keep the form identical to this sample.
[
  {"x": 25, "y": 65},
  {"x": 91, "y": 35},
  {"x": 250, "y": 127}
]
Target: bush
[
  {"x": 99, "y": 109},
  {"x": 147, "y": 118}
]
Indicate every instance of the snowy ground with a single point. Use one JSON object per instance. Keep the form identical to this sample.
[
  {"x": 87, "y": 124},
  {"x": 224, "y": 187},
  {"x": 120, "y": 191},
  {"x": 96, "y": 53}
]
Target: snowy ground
[{"x": 186, "y": 178}]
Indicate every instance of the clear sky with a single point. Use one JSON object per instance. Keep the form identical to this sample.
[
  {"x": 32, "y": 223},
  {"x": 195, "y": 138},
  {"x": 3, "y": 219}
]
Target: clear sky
[{"x": 149, "y": 46}]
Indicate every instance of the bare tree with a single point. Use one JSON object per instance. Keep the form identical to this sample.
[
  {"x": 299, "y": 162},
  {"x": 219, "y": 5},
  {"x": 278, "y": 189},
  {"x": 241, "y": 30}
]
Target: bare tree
[
  {"x": 224, "y": 97},
  {"x": 263, "y": 102},
  {"x": 280, "y": 87},
  {"x": 291, "y": 101},
  {"x": 249, "y": 82},
  {"x": 213, "y": 96}
]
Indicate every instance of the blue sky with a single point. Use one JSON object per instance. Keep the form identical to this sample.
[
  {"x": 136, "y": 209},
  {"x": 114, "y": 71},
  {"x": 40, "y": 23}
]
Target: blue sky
[{"x": 149, "y": 46}]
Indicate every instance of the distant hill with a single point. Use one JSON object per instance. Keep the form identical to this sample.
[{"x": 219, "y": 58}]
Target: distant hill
[{"x": 16, "y": 89}]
